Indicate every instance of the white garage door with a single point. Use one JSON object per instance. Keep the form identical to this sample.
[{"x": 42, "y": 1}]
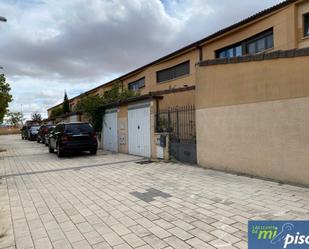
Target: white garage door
[
  {"x": 110, "y": 130},
  {"x": 139, "y": 130}
]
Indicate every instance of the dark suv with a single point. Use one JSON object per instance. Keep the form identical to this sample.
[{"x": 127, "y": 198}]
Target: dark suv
[{"x": 72, "y": 137}]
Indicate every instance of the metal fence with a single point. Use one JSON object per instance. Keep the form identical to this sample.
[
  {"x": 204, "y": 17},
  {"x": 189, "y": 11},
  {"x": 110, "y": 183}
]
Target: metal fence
[{"x": 178, "y": 121}]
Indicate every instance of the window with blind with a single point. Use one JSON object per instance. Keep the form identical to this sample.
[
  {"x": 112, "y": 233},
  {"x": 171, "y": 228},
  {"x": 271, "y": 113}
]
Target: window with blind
[
  {"x": 136, "y": 85},
  {"x": 173, "y": 72}
]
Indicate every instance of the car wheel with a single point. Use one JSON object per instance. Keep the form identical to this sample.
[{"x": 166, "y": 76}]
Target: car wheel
[
  {"x": 38, "y": 141},
  {"x": 59, "y": 151},
  {"x": 51, "y": 150},
  {"x": 93, "y": 152}
]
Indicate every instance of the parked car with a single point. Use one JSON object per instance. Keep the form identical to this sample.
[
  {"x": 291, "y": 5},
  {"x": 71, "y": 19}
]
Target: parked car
[
  {"x": 42, "y": 133},
  {"x": 50, "y": 129},
  {"x": 24, "y": 132},
  {"x": 33, "y": 132},
  {"x": 73, "y": 137}
]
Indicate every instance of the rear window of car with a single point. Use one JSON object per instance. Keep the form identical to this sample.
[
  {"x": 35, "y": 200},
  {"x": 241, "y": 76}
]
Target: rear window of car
[{"x": 78, "y": 128}]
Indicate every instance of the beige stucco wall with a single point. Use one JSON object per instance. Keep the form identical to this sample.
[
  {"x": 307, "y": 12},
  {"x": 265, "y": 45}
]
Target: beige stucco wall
[
  {"x": 266, "y": 139},
  {"x": 150, "y": 74},
  {"x": 123, "y": 128},
  {"x": 253, "y": 118},
  {"x": 177, "y": 99},
  {"x": 233, "y": 84}
]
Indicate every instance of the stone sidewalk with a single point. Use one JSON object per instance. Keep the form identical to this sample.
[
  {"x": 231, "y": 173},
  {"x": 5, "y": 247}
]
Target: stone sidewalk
[{"x": 110, "y": 201}]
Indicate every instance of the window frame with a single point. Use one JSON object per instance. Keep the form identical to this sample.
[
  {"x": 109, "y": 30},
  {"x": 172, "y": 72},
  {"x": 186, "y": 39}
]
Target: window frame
[
  {"x": 306, "y": 26},
  {"x": 225, "y": 49},
  {"x": 173, "y": 71},
  {"x": 256, "y": 38},
  {"x": 245, "y": 44},
  {"x": 137, "y": 81}
]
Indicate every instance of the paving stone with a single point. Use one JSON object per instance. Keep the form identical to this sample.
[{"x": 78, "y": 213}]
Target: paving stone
[
  {"x": 203, "y": 235},
  {"x": 93, "y": 237},
  {"x": 133, "y": 240},
  {"x": 43, "y": 243},
  {"x": 155, "y": 242},
  {"x": 123, "y": 246},
  {"x": 221, "y": 244},
  {"x": 183, "y": 225},
  {"x": 81, "y": 245},
  {"x": 199, "y": 244},
  {"x": 74, "y": 236},
  {"x": 181, "y": 234},
  {"x": 164, "y": 224},
  {"x": 176, "y": 243},
  {"x": 225, "y": 236},
  {"x": 140, "y": 231},
  {"x": 62, "y": 244},
  {"x": 38, "y": 233},
  {"x": 102, "y": 245},
  {"x": 84, "y": 227},
  {"x": 159, "y": 232},
  {"x": 120, "y": 229},
  {"x": 113, "y": 239}
]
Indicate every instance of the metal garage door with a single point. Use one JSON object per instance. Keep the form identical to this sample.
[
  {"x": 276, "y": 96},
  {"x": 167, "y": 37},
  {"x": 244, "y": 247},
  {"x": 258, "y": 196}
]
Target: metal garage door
[
  {"x": 139, "y": 129},
  {"x": 110, "y": 130}
]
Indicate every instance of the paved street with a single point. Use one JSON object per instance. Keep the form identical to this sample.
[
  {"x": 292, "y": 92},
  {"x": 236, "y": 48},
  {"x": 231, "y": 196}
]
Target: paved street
[{"x": 110, "y": 201}]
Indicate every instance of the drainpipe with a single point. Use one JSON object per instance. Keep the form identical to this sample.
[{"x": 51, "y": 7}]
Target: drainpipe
[{"x": 200, "y": 49}]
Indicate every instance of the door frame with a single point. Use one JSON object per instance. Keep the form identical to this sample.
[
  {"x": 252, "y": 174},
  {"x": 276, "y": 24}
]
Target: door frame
[
  {"x": 136, "y": 106},
  {"x": 109, "y": 111}
]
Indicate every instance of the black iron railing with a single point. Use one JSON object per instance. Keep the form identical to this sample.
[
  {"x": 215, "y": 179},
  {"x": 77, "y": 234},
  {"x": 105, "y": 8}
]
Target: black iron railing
[{"x": 178, "y": 121}]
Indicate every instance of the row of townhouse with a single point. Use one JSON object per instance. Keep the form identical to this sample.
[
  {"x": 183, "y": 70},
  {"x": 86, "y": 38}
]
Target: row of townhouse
[{"x": 237, "y": 100}]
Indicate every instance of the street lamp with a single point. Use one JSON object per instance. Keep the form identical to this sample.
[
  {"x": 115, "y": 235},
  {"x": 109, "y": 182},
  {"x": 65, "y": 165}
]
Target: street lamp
[{"x": 2, "y": 19}]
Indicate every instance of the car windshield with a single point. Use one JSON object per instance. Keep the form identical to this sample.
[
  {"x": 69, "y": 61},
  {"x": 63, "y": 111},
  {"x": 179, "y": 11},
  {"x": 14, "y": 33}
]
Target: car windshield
[
  {"x": 35, "y": 128},
  {"x": 78, "y": 128}
]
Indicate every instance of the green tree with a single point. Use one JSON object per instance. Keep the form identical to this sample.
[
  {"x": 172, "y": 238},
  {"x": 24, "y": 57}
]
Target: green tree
[
  {"x": 15, "y": 118},
  {"x": 5, "y": 96},
  {"x": 92, "y": 105},
  {"x": 36, "y": 117},
  {"x": 56, "y": 112},
  {"x": 66, "y": 104}
]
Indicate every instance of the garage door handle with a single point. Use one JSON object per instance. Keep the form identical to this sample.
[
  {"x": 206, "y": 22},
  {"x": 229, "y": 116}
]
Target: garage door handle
[{"x": 138, "y": 127}]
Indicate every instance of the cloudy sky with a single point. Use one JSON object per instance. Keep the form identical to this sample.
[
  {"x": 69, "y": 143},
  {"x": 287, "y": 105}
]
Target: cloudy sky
[{"x": 49, "y": 46}]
